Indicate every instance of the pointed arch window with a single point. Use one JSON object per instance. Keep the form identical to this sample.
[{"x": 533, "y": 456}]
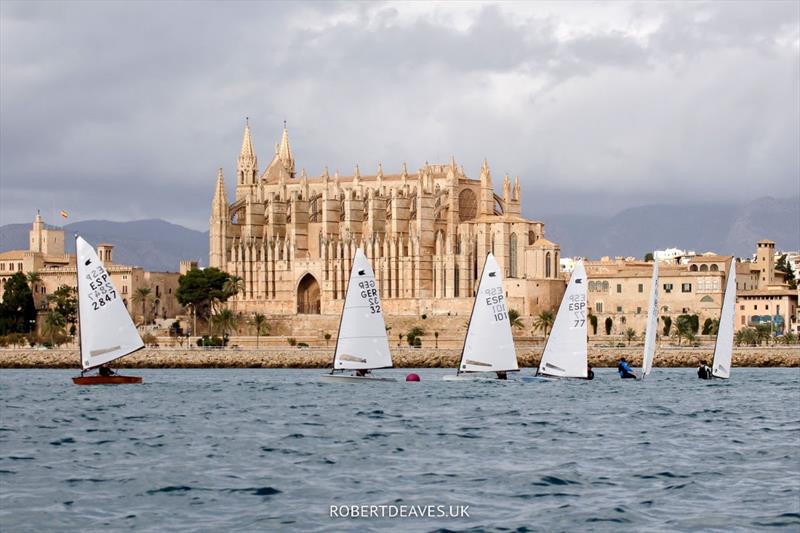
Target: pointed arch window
[{"x": 547, "y": 266}]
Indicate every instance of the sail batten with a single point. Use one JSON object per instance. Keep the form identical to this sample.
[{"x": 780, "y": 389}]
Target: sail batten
[
  {"x": 723, "y": 350},
  {"x": 106, "y": 329},
  {"x": 565, "y": 354},
  {"x": 489, "y": 344},
  {"x": 652, "y": 325},
  {"x": 362, "y": 343}
]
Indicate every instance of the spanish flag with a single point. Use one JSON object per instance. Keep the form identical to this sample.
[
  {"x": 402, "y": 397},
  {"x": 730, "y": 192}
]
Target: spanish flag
[{"x": 64, "y": 214}]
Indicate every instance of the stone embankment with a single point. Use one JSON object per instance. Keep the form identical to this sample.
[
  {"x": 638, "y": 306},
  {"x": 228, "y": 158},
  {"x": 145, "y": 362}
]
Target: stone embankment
[{"x": 765, "y": 356}]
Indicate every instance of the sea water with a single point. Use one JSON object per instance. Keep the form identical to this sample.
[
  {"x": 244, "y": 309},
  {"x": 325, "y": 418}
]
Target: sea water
[{"x": 223, "y": 450}]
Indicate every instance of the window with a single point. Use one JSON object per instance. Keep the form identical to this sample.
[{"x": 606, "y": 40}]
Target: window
[
  {"x": 641, "y": 287},
  {"x": 668, "y": 287},
  {"x": 741, "y": 308},
  {"x": 605, "y": 286},
  {"x": 686, "y": 287},
  {"x": 124, "y": 289},
  {"x": 598, "y": 306},
  {"x": 619, "y": 288},
  {"x": 755, "y": 307},
  {"x": 619, "y": 309},
  {"x": 512, "y": 245},
  {"x": 766, "y": 307},
  {"x": 638, "y": 310},
  {"x": 743, "y": 320},
  {"x": 547, "y": 270},
  {"x": 708, "y": 299}
]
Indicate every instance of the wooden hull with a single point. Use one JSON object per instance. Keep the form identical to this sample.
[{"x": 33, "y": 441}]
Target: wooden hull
[
  {"x": 106, "y": 380},
  {"x": 347, "y": 378}
]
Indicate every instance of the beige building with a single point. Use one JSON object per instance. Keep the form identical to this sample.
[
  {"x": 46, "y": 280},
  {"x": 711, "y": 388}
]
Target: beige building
[
  {"x": 620, "y": 289},
  {"x": 291, "y": 237},
  {"x": 769, "y": 300},
  {"x": 45, "y": 256}
]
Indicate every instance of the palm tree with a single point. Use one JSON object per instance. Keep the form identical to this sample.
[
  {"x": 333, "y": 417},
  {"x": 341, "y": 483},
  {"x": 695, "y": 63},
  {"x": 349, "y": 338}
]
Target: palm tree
[
  {"x": 436, "y": 334},
  {"x": 543, "y": 321},
  {"x": 515, "y": 319},
  {"x": 233, "y": 286},
  {"x": 54, "y": 324},
  {"x": 259, "y": 322},
  {"x": 630, "y": 335},
  {"x": 225, "y": 321},
  {"x": 142, "y": 296},
  {"x": 683, "y": 328}
]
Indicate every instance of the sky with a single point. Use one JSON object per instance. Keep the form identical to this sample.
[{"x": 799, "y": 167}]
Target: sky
[{"x": 125, "y": 110}]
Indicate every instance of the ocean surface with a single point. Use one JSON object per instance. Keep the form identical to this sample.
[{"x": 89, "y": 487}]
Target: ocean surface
[{"x": 250, "y": 450}]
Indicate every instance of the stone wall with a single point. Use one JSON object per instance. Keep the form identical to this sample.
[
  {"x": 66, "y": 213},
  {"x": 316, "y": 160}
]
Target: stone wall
[{"x": 774, "y": 356}]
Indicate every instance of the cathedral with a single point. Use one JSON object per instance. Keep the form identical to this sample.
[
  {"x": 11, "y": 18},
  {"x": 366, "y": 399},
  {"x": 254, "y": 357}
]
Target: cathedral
[{"x": 291, "y": 237}]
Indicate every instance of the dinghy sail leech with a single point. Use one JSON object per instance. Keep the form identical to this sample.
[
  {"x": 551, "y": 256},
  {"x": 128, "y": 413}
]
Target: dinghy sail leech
[
  {"x": 106, "y": 329},
  {"x": 362, "y": 343},
  {"x": 488, "y": 343},
  {"x": 565, "y": 353},
  {"x": 723, "y": 350},
  {"x": 652, "y": 325}
]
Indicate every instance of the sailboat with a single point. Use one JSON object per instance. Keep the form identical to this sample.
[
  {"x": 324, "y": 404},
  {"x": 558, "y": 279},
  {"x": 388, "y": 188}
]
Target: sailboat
[
  {"x": 488, "y": 344},
  {"x": 362, "y": 344},
  {"x": 106, "y": 329},
  {"x": 723, "y": 350},
  {"x": 652, "y": 325},
  {"x": 565, "y": 354}
]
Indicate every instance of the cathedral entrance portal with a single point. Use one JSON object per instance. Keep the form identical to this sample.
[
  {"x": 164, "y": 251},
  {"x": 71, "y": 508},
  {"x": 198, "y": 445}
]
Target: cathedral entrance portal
[{"x": 308, "y": 302}]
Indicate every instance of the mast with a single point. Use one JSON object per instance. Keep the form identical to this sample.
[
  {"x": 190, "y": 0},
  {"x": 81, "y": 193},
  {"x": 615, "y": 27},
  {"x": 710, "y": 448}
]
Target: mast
[
  {"x": 471, "y": 314},
  {"x": 339, "y": 330},
  {"x": 78, "y": 294}
]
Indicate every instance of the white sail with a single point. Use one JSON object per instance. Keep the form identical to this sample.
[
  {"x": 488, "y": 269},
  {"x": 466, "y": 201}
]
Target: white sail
[
  {"x": 106, "y": 329},
  {"x": 362, "y": 341},
  {"x": 723, "y": 351},
  {"x": 652, "y": 325},
  {"x": 489, "y": 345},
  {"x": 565, "y": 353}
]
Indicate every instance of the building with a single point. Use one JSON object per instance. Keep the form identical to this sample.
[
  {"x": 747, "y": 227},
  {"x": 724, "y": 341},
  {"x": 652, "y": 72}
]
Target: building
[
  {"x": 619, "y": 289},
  {"x": 45, "y": 256},
  {"x": 768, "y": 299},
  {"x": 291, "y": 237}
]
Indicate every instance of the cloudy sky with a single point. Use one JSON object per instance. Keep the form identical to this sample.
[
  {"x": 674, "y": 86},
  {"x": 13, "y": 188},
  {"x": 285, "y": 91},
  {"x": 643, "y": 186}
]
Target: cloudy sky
[{"x": 124, "y": 110}]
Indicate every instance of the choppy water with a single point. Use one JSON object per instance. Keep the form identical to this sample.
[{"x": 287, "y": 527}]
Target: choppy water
[{"x": 215, "y": 450}]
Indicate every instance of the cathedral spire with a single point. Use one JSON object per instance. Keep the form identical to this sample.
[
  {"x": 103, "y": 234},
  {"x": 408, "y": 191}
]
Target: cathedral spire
[
  {"x": 284, "y": 150},
  {"x": 220, "y": 201},
  {"x": 247, "y": 154}
]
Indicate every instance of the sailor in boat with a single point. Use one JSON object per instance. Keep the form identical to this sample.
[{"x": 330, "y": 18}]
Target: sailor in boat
[
  {"x": 362, "y": 372},
  {"x": 624, "y": 369},
  {"x": 105, "y": 371},
  {"x": 502, "y": 375},
  {"x": 589, "y": 372},
  {"x": 704, "y": 371}
]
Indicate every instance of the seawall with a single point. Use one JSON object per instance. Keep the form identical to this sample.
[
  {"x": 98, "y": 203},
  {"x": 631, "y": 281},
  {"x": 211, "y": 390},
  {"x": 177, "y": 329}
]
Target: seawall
[{"x": 764, "y": 356}]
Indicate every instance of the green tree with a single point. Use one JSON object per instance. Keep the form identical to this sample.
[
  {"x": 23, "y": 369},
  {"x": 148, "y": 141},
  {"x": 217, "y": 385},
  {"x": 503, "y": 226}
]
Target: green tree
[
  {"x": 763, "y": 333},
  {"x": 65, "y": 300},
  {"x": 684, "y": 328},
  {"x": 34, "y": 279},
  {"x": 328, "y": 338},
  {"x": 225, "y": 321},
  {"x": 649, "y": 257},
  {"x": 630, "y": 335},
  {"x": 413, "y": 336},
  {"x": 609, "y": 324},
  {"x": 142, "y": 296},
  {"x": 789, "y": 338},
  {"x": 201, "y": 289},
  {"x": 259, "y": 322},
  {"x": 667, "y": 325},
  {"x": 53, "y": 326},
  {"x": 17, "y": 310},
  {"x": 785, "y": 267},
  {"x": 515, "y": 319},
  {"x": 593, "y": 322},
  {"x": 710, "y": 326},
  {"x": 544, "y": 322}
]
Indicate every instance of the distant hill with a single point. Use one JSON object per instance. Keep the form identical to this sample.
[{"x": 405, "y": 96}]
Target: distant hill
[
  {"x": 155, "y": 245},
  {"x": 725, "y": 229}
]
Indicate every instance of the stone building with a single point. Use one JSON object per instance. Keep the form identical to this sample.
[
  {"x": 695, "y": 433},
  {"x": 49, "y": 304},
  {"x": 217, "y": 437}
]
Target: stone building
[
  {"x": 620, "y": 289},
  {"x": 45, "y": 256},
  {"x": 766, "y": 298},
  {"x": 291, "y": 237}
]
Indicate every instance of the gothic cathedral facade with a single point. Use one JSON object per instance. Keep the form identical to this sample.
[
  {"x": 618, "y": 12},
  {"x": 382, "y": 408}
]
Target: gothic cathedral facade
[{"x": 291, "y": 237}]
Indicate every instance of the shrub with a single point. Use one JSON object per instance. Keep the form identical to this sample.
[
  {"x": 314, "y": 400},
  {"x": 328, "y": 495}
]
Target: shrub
[
  {"x": 292, "y": 341},
  {"x": 149, "y": 339},
  {"x": 302, "y": 345}
]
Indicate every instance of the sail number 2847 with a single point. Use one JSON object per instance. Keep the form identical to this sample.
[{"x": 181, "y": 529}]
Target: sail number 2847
[{"x": 101, "y": 291}]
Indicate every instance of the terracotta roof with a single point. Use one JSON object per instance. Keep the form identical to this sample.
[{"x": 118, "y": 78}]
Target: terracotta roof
[
  {"x": 544, "y": 243},
  {"x": 12, "y": 254}
]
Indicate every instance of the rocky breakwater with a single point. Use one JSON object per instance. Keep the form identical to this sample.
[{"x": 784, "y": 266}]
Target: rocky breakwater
[{"x": 765, "y": 356}]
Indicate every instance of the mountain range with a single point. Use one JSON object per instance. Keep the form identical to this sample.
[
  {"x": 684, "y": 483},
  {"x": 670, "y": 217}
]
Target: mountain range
[{"x": 157, "y": 245}]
